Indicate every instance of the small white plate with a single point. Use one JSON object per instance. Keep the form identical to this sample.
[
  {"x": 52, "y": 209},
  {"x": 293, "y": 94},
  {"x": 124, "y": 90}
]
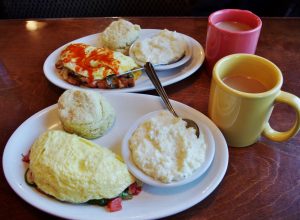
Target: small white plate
[
  {"x": 187, "y": 56},
  {"x": 209, "y": 155},
  {"x": 167, "y": 77}
]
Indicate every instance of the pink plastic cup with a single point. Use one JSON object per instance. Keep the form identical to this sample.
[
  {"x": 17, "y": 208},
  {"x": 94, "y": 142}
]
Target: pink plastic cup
[{"x": 222, "y": 41}]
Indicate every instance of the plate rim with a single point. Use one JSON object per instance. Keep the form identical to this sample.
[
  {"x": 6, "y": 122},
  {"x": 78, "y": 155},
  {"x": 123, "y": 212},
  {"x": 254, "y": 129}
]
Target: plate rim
[
  {"x": 221, "y": 143},
  {"x": 54, "y": 79}
]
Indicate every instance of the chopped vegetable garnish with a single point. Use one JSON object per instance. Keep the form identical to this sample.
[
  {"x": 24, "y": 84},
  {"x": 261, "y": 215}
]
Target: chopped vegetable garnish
[
  {"x": 100, "y": 202},
  {"x": 29, "y": 178},
  {"x": 125, "y": 195},
  {"x": 25, "y": 158},
  {"x": 114, "y": 204},
  {"x": 134, "y": 189}
]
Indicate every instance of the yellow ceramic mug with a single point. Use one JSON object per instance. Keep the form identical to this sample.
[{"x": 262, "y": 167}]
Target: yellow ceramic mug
[{"x": 243, "y": 116}]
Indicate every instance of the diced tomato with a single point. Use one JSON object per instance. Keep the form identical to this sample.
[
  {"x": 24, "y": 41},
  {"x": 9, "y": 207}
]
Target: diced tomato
[
  {"x": 114, "y": 204},
  {"x": 134, "y": 189},
  {"x": 26, "y": 157}
]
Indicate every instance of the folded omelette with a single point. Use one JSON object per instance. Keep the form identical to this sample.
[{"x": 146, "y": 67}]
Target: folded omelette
[{"x": 76, "y": 170}]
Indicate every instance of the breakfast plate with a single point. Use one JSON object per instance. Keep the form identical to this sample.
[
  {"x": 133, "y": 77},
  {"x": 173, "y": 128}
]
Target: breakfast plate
[
  {"x": 209, "y": 155},
  {"x": 167, "y": 77},
  {"x": 152, "y": 202}
]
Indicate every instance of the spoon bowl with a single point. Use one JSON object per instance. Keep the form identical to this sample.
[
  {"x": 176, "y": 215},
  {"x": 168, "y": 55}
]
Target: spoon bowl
[{"x": 191, "y": 124}]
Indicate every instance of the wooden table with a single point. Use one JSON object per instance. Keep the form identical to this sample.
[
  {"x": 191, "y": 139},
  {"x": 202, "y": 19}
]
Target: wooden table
[{"x": 261, "y": 182}]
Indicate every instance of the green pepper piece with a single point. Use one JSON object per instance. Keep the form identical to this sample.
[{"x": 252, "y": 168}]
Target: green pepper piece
[
  {"x": 125, "y": 195},
  {"x": 27, "y": 178},
  {"x": 100, "y": 202}
]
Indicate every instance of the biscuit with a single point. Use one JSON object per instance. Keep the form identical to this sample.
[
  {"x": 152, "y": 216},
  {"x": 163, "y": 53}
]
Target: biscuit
[
  {"x": 85, "y": 113},
  {"x": 119, "y": 35}
]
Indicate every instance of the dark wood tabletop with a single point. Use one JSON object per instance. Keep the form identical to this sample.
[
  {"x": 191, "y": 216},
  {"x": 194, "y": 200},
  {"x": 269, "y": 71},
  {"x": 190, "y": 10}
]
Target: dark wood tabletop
[{"x": 262, "y": 181}]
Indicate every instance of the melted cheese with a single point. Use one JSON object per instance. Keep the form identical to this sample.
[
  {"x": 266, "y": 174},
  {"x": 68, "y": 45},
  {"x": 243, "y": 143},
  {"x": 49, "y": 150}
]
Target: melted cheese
[{"x": 95, "y": 63}]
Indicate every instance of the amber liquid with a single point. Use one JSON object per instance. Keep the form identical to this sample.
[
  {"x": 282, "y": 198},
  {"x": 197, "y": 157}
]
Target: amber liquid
[
  {"x": 245, "y": 84},
  {"x": 233, "y": 26}
]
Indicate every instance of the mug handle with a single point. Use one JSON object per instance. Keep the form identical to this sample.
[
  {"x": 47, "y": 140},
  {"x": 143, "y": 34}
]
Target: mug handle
[{"x": 294, "y": 102}]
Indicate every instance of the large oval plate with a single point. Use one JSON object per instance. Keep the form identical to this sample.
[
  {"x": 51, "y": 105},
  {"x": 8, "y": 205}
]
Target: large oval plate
[
  {"x": 152, "y": 202},
  {"x": 167, "y": 77}
]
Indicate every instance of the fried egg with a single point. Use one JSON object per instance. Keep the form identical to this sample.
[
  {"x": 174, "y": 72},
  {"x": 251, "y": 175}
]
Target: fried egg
[
  {"x": 76, "y": 170},
  {"x": 95, "y": 63}
]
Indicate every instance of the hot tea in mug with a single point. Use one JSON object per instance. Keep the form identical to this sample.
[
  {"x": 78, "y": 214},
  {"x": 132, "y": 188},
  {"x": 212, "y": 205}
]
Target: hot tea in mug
[
  {"x": 233, "y": 26},
  {"x": 230, "y": 31},
  {"x": 243, "y": 92},
  {"x": 245, "y": 84}
]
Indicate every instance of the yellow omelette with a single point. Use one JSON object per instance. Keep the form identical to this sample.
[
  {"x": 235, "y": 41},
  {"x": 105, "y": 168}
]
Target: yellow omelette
[{"x": 73, "y": 169}]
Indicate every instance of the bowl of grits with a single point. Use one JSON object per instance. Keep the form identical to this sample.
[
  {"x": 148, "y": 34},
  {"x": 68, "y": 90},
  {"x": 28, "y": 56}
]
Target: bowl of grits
[
  {"x": 160, "y": 151},
  {"x": 165, "y": 50}
]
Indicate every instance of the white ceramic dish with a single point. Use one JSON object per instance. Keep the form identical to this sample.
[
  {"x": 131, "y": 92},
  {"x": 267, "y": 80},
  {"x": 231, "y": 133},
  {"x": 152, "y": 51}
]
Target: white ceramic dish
[
  {"x": 152, "y": 202},
  {"x": 187, "y": 56},
  {"x": 209, "y": 155},
  {"x": 167, "y": 77}
]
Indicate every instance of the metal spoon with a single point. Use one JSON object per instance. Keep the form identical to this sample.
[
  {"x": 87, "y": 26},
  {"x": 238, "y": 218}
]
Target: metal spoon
[
  {"x": 162, "y": 93},
  {"x": 182, "y": 61}
]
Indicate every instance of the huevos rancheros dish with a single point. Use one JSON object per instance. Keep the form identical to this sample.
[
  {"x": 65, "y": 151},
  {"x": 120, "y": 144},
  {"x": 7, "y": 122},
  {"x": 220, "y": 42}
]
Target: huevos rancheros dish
[{"x": 107, "y": 64}]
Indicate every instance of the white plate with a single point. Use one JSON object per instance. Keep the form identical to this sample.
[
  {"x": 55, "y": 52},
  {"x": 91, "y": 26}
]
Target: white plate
[
  {"x": 152, "y": 202},
  {"x": 167, "y": 77},
  {"x": 187, "y": 56},
  {"x": 209, "y": 154}
]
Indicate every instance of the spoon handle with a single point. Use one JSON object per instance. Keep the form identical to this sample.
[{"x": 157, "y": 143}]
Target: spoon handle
[
  {"x": 131, "y": 71},
  {"x": 139, "y": 69},
  {"x": 159, "y": 88}
]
